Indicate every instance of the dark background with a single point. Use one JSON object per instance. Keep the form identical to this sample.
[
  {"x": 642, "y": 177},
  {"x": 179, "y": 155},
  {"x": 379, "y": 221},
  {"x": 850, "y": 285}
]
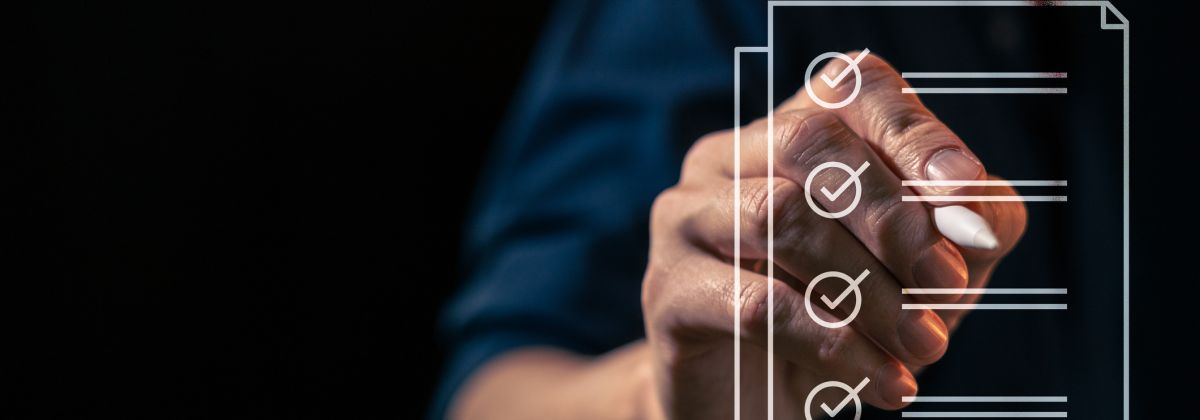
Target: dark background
[{"x": 255, "y": 211}]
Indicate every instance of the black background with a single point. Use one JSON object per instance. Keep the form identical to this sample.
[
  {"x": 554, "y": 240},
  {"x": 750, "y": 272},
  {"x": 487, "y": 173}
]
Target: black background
[{"x": 255, "y": 211}]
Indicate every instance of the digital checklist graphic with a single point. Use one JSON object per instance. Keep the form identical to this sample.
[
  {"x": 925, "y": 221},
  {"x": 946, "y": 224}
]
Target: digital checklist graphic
[{"x": 1043, "y": 194}]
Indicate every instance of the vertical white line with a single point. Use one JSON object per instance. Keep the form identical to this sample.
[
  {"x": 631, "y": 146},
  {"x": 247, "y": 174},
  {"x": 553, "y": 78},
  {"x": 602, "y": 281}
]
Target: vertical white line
[
  {"x": 737, "y": 234},
  {"x": 1125, "y": 214},
  {"x": 770, "y": 211}
]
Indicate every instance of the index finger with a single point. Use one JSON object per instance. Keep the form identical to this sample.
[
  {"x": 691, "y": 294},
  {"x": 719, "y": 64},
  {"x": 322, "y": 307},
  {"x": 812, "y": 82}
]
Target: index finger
[{"x": 906, "y": 133}]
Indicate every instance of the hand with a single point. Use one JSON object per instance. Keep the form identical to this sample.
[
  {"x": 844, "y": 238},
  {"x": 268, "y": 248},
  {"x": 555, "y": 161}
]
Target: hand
[{"x": 688, "y": 294}]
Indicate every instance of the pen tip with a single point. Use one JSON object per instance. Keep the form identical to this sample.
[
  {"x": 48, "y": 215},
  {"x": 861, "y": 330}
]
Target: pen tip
[{"x": 984, "y": 239}]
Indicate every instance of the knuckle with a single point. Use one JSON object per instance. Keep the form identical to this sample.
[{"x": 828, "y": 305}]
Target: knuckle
[
  {"x": 657, "y": 288},
  {"x": 906, "y": 120},
  {"x": 808, "y": 136},
  {"x": 788, "y": 130},
  {"x": 660, "y": 203},
  {"x": 908, "y": 131},
  {"x": 786, "y": 304},
  {"x": 793, "y": 217},
  {"x": 786, "y": 195},
  {"x": 757, "y": 209},
  {"x": 759, "y": 206},
  {"x": 699, "y": 153},
  {"x": 755, "y": 204},
  {"x": 753, "y": 307},
  {"x": 664, "y": 207},
  {"x": 834, "y": 345},
  {"x": 760, "y": 303},
  {"x": 890, "y": 217},
  {"x": 651, "y": 288}
]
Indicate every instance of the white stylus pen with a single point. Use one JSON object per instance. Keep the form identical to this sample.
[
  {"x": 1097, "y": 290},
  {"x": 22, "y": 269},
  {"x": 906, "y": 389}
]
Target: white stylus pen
[{"x": 964, "y": 227}]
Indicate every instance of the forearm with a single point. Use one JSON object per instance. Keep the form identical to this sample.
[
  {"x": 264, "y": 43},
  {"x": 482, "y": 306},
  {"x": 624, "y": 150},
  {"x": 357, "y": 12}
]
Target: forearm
[{"x": 550, "y": 383}]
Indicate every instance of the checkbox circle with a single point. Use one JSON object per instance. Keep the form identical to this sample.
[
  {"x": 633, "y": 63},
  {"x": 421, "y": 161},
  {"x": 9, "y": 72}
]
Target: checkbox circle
[
  {"x": 809, "y": 190},
  {"x": 808, "y": 294},
  {"x": 857, "y": 80},
  {"x": 853, "y": 396}
]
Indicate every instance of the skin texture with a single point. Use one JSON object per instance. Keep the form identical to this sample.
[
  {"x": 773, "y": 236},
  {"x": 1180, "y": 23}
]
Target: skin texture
[{"x": 683, "y": 369}]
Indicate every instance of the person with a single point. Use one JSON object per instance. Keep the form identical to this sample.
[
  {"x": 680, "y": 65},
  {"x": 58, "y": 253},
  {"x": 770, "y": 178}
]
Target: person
[{"x": 601, "y": 250}]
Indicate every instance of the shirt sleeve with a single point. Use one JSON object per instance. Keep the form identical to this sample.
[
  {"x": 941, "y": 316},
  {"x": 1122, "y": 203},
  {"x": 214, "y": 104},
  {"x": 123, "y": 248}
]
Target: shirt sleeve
[{"x": 557, "y": 242}]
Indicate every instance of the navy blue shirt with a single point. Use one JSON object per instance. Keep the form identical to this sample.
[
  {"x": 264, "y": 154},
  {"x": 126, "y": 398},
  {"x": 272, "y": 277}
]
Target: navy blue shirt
[{"x": 618, "y": 90}]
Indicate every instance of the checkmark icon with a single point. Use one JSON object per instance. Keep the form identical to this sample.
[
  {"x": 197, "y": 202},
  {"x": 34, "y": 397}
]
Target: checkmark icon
[
  {"x": 846, "y": 71},
  {"x": 834, "y": 411},
  {"x": 853, "y": 285},
  {"x": 845, "y": 185}
]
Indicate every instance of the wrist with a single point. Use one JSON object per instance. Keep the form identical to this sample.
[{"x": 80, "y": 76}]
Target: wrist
[{"x": 644, "y": 389}]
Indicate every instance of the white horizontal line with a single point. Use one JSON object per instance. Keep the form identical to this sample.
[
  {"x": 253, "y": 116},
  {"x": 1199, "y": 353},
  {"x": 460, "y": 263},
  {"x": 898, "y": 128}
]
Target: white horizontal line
[
  {"x": 982, "y": 75},
  {"x": 944, "y": 198},
  {"x": 984, "y": 90},
  {"x": 987, "y": 414},
  {"x": 985, "y": 183},
  {"x": 982, "y": 306},
  {"x": 981, "y": 291},
  {"x": 929, "y": 3},
  {"x": 919, "y": 399}
]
